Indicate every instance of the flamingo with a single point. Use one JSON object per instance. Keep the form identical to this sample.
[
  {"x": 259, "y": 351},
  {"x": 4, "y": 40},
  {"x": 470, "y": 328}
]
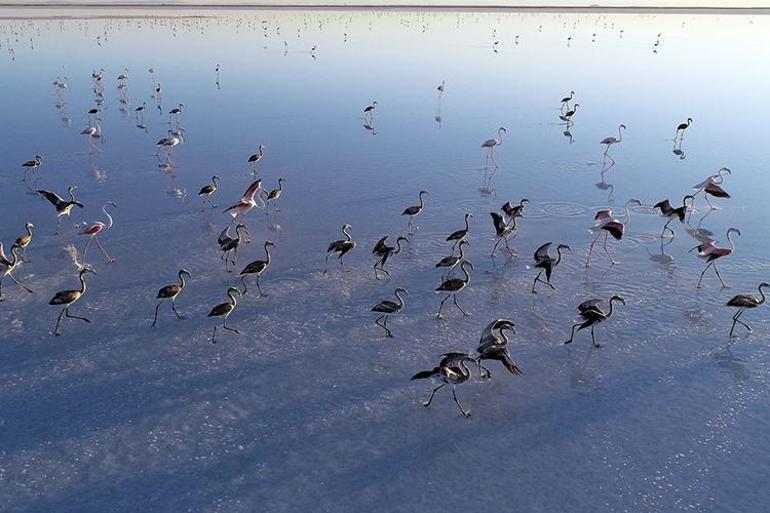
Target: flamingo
[
  {"x": 256, "y": 157},
  {"x": 670, "y": 212},
  {"x": 592, "y": 315},
  {"x": 8, "y": 265},
  {"x": 247, "y": 202},
  {"x": 565, "y": 101},
  {"x": 682, "y": 127},
  {"x": 609, "y": 141},
  {"x": 415, "y": 210},
  {"x": 514, "y": 210},
  {"x": 98, "y": 227},
  {"x": 257, "y": 267},
  {"x": 547, "y": 263},
  {"x": 388, "y": 308},
  {"x": 711, "y": 186},
  {"x": 493, "y": 346},
  {"x": 171, "y": 292},
  {"x": 744, "y": 301},
  {"x": 451, "y": 261},
  {"x": 341, "y": 247},
  {"x": 460, "y": 235},
  {"x": 383, "y": 252},
  {"x": 568, "y": 115},
  {"x": 453, "y": 286},
  {"x": 491, "y": 144},
  {"x": 224, "y": 310},
  {"x": 709, "y": 251},
  {"x": 503, "y": 231},
  {"x": 604, "y": 221},
  {"x": 452, "y": 371},
  {"x": 69, "y": 297},
  {"x": 63, "y": 208}
]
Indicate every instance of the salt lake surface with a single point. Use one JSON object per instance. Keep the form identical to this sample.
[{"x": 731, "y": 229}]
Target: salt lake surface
[{"x": 311, "y": 408}]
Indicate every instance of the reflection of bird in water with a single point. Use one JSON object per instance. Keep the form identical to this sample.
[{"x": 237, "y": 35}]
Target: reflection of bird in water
[
  {"x": 592, "y": 315},
  {"x": 609, "y": 141},
  {"x": 257, "y": 267},
  {"x": 453, "y": 286},
  {"x": 565, "y": 101},
  {"x": 607, "y": 223},
  {"x": 567, "y": 116},
  {"x": 171, "y": 292},
  {"x": 388, "y": 308},
  {"x": 459, "y": 235},
  {"x": 681, "y": 128},
  {"x": 8, "y": 265},
  {"x": 671, "y": 213},
  {"x": 546, "y": 263},
  {"x": 440, "y": 88},
  {"x": 491, "y": 144},
  {"x": 63, "y": 208},
  {"x": 98, "y": 227},
  {"x": 709, "y": 251},
  {"x": 452, "y": 371},
  {"x": 369, "y": 127},
  {"x": 493, "y": 346},
  {"x": 728, "y": 361},
  {"x": 341, "y": 247},
  {"x": 382, "y": 251},
  {"x": 504, "y": 230},
  {"x": 744, "y": 301},
  {"x": 68, "y": 298},
  {"x": 486, "y": 188},
  {"x": 568, "y": 134},
  {"x": 711, "y": 186},
  {"x": 604, "y": 186},
  {"x": 224, "y": 310},
  {"x": 415, "y": 210}
]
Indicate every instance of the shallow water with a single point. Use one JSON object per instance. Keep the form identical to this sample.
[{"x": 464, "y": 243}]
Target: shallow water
[{"x": 312, "y": 407}]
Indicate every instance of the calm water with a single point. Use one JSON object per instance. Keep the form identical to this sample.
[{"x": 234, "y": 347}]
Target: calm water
[{"x": 311, "y": 408}]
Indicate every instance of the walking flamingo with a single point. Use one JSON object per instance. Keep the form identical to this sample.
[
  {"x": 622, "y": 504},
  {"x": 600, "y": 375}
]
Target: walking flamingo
[
  {"x": 709, "y": 251},
  {"x": 609, "y": 141},
  {"x": 98, "y": 227},
  {"x": 611, "y": 226}
]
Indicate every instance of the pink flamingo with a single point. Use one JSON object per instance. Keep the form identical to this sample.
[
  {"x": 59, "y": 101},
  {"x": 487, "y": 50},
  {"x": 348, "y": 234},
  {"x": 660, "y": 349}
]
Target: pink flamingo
[
  {"x": 609, "y": 141},
  {"x": 711, "y": 252},
  {"x": 98, "y": 227},
  {"x": 247, "y": 202},
  {"x": 605, "y": 221},
  {"x": 711, "y": 186}
]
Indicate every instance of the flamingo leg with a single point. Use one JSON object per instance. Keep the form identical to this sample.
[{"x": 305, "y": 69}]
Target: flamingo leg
[
  {"x": 67, "y": 314},
  {"x": 214, "y": 335},
  {"x": 155, "y": 320},
  {"x": 1, "y": 287},
  {"x": 606, "y": 238},
  {"x": 716, "y": 270},
  {"x": 739, "y": 321},
  {"x": 465, "y": 413},
  {"x": 326, "y": 264},
  {"x": 572, "y": 336},
  {"x": 537, "y": 278},
  {"x": 441, "y": 305},
  {"x": 99, "y": 244},
  {"x": 17, "y": 282},
  {"x": 665, "y": 227},
  {"x": 511, "y": 252},
  {"x": 88, "y": 243},
  {"x": 454, "y": 298},
  {"x": 225, "y": 326},
  {"x": 593, "y": 337},
  {"x": 58, "y": 321},
  {"x": 704, "y": 272},
  {"x": 591, "y": 249},
  {"x": 430, "y": 399},
  {"x": 173, "y": 307},
  {"x": 499, "y": 240},
  {"x": 259, "y": 287},
  {"x": 243, "y": 280}
]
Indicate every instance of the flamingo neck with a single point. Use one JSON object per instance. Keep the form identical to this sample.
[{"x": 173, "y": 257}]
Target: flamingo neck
[
  {"x": 558, "y": 257},
  {"x": 346, "y": 234},
  {"x": 215, "y": 181},
  {"x": 181, "y": 280},
  {"x": 503, "y": 336},
  {"x": 462, "y": 251},
  {"x": 29, "y": 230},
  {"x": 730, "y": 240},
  {"x": 466, "y": 224},
  {"x": 467, "y": 279},
  {"x": 421, "y": 202},
  {"x": 620, "y": 135},
  {"x": 82, "y": 283},
  {"x": 400, "y": 299},
  {"x": 109, "y": 217},
  {"x": 398, "y": 247},
  {"x": 231, "y": 295},
  {"x": 612, "y": 308},
  {"x": 500, "y": 135},
  {"x": 761, "y": 293},
  {"x": 267, "y": 253}
]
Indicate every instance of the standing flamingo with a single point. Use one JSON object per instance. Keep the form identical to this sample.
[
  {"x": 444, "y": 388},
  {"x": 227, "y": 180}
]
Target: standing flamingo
[
  {"x": 611, "y": 226},
  {"x": 415, "y": 210},
  {"x": 491, "y": 144},
  {"x": 98, "y": 227},
  {"x": 609, "y": 141},
  {"x": 709, "y": 251},
  {"x": 682, "y": 127}
]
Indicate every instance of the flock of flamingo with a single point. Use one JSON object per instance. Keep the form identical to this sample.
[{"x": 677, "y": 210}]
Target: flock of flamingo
[{"x": 454, "y": 368}]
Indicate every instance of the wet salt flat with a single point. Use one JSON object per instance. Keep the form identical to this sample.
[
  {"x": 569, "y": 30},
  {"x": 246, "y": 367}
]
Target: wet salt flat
[{"x": 311, "y": 407}]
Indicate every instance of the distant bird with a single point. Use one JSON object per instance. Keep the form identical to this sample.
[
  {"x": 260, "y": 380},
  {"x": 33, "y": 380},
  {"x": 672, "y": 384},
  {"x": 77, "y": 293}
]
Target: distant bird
[
  {"x": 514, "y": 210},
  {"x": 591, "y": 315},
  {"x": 607, "y": 223},
  {"x": 369, "y": 111},
  {"x": 504, "y": 231},
  {"x": 451, "y": 261},
  {"x": 63, "y": 208},
  {"x": 384, "y": 252},
  {"x": 682, "y": 127},
  {"x": 224, "y": 310},
  {"x": 274, "y": 194},
  {"x": 25, "y": 239},
  {"x": 709, "y": 251},
  {"x": 7, "y": 266},
  {"x": 452, "y": 371},
  {"x": 568, "y": 115},
  {"x": 209, "y": 189},
  {"x": 140, "y": 110},
  {"x": 388, "y": 308},
  {"x": 453, "y": 286},
  {"x": 670, "y": 212},
  {"x": 744, "y": 301},
  {"x": 493, "y": 346},
  {"x": 546, "y": 263},
  {"x": 415, "y": 209},
  {"x": 175, "y": 112},
  {"x": 565, "y": 101},
  {"x": 491, "y": 144},
  {"x": 459, "y": 235},
  {"x": 229, "y": 245},
  {"x": 609, "y": 141},
  {"x": 440, "y": 88},
  {"x": 98, "y": 227},
  {"x": 255, "y": 158},
  {"x": 171, "y": 292},
  {"x": 69, "y": 297},
  {"x": 257, "y": 267},
  {"x": 341, "y": 247},
  {"x": 32, "y": 164},
  {"x": 247, "y": 202}
]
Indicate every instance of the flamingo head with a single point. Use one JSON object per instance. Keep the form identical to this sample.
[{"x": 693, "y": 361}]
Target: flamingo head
[
  {"x": 464, "y": 243},
  {"x": 690, "y": 197},
  {"x": 504, "y": 324},
  {"x": 623, "y": 126},
  {"x": 424, "y": 192},
  {"x": 269, "y": 243},
  {"x": 400, "y": 238},
  {"x": 468, "y": 214},
  {"x": 112, "y": 204},
  {"x": 185, "y": 272},
  {"x": 733, "y": 230},
  {"x": 403, "y": 291},
  {"x": 634, "y": 201},
  {"x": 465, "y": 262},
  {"x": 241, "y": 227},
  {"x": 618, "y": 298},
  {"x": 764, "y": 284},
  {"x": 233, "y": 290},
  {"x": 29, "y": 225},
  {"x": 564, "y": 246}
]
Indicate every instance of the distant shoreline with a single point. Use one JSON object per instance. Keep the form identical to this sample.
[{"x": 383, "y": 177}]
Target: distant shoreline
[{"x": 391, "y": 7}]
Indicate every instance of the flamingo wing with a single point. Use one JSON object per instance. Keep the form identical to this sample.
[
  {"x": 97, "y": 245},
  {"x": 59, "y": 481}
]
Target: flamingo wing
[
  {"x": 716, "y": 190},
  {"x": 541, "y": 253},
  {"x": 664, "y": 206},
  {"x": 380, "y": 246},
  {"x": 252, "y": 190},
  {"x": 54, "y": 198},
  {"x": 93, "y": 229}
]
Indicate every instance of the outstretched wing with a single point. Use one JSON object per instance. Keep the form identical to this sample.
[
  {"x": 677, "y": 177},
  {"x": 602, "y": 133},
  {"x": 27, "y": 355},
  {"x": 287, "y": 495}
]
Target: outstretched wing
[
  {"x": 224, "y": 236},
  {"x": 54, "y": 198},
  {"x": 590, "y": 304},
  {"x": 380, "y": 246},
  {"x": 253, "y": 188},
  {"x": 716, "y": 190},
  {"x": 541, "y": 253},
  {"x": 664, "y": 205},
  {"x": 499, "y": 223}
]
